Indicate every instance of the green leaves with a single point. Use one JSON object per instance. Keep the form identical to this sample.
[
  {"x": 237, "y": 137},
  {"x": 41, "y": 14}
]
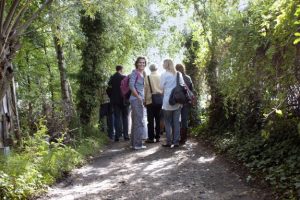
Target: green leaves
[
  {"x": 297, "y": 23},
  {"x": 279, "y": 112},
  {"x": 296, "y": 41},
  {"x": 251, "y": 64}
]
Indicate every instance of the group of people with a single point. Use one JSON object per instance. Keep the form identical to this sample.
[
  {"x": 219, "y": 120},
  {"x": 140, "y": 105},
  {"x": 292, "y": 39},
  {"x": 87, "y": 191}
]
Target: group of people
[{"x": 142, "y": 88}]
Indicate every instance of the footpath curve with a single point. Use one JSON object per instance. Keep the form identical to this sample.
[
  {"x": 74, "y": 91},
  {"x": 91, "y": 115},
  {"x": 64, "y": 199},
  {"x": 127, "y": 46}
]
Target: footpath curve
[{"x": 189, "y": 172}]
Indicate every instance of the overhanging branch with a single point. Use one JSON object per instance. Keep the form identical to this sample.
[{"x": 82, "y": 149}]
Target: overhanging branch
[{"x": 33, "y": 17}]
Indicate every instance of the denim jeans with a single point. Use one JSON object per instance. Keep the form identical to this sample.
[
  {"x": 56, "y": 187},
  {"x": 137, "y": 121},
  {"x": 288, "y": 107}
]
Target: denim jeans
[
  {"x": 121, "y": 120},
  {"x": 153, "y": 113},
  {"x": 171, "y": 118},
  {"x": 185, "y": 111}
]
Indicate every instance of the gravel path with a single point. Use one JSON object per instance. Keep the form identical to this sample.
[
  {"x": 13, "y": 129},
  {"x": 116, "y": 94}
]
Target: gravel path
[{"x": 189, "y": 172}]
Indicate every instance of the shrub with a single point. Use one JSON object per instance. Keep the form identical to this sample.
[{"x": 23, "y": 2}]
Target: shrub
[{"x": 40, "y": 163}]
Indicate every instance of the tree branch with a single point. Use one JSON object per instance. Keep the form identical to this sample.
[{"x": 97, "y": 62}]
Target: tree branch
[
  {"x": 20, "y": 15},
  {"x": 10, "y": 15},
  {"x": 2, "y": 5},
  {"x": 33, "y": 17},
  {"x": 201, "y": 20}
]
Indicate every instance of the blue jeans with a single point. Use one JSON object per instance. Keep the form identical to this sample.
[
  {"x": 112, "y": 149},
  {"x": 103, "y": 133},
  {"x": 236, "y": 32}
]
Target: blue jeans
[
  {"x": 185, "y": 111},
  {"x": 171, "y": 118},
  {"x": 121, "y": 120}
]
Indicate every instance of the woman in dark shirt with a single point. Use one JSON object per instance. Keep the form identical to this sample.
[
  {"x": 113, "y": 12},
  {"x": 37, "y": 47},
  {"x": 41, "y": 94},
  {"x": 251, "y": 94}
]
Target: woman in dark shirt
[{"x": 185, "y": 111}]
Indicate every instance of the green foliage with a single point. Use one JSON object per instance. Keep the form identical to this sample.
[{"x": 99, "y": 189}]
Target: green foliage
[
  {"x": 248, "y": 61},
  {"x": 276, "y": 157},
  {"x": 297, "y": 34},
  {"x": 39, "y": 164},
  {"x": 93, "y": 54}
]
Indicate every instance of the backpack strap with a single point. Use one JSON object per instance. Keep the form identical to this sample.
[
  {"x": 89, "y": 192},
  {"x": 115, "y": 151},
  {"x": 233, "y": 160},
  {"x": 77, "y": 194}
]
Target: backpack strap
[
  {"x": 177, "y": 79},
  {"x": 137, "y": 77},
  {"x": 150, "y": 84}
]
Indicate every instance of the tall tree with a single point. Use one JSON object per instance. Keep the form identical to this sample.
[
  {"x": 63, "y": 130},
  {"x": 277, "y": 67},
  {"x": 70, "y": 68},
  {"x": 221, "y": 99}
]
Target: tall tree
[
  {"x": 12, "y": 26},
  {"x": 64, "y": 82},
  {"x": 14, "y": 20},
  {"x": 93, "y": 53}
]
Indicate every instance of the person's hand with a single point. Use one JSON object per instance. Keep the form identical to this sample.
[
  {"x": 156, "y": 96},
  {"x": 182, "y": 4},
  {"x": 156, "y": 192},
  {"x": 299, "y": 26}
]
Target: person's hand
[{"x": 140, "y": 99}]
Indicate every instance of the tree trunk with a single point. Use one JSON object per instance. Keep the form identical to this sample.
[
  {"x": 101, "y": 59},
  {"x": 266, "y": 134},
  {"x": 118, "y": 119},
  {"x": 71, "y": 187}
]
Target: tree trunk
[
  {"x": 297, "y": 63},
  {"x": 12, "y": 25},
  {"x": 65, "y": 85},
  {"x": 7, "y": 119},
  {"x": 51, "y": 78},
  {"x": 16, "y": 112},
  {"x": 30, "y": 118}
]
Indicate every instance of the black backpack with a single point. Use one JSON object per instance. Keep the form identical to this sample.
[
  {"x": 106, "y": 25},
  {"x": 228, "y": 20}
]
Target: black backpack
[{"x": 179, "y": 94}]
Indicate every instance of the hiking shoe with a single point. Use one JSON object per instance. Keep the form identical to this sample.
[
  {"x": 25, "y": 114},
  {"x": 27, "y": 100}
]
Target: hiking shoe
[
  {"x": 127, "y": 139},
  {"x": 149, "y": 141},
  {"x": 166, "y": 145},
  {"x": 176, "y": 145},
  {"x": 141, "y": 147}
]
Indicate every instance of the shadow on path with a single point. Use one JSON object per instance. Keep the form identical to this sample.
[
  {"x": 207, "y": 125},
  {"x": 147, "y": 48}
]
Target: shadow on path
[{"x": 188, "y": 172}]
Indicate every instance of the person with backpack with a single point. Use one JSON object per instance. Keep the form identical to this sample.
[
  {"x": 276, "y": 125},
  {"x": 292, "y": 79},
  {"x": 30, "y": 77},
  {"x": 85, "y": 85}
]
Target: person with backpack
[
  {"x": 136, "y": 85},
  {"x": 186, "y": 107},
  {"x": 171, "y": 113},
  {"x": 153, "y": 101},
  {"x": 120, "y": 109}
]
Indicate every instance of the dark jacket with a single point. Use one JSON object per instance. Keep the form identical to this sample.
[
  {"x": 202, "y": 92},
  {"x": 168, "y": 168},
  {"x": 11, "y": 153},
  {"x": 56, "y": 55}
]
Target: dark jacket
[
  {"x": 188, "y": 81},
  {"x": 114, "y": 91}
]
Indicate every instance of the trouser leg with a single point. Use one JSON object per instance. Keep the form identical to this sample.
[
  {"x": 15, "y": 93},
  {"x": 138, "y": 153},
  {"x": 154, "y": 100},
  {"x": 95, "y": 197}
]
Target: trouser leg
[
  {"x": 150, "y": 119},
  {"x": 118, "y": 121},
  {"x": 168, "y": 125},
  {"x": 176, "y": 126},
  {"x": 157, "y": 114}
]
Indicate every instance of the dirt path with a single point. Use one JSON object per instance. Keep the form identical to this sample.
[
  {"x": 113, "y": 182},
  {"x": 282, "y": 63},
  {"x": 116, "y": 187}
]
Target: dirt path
[{"x": 189, "y": 172}]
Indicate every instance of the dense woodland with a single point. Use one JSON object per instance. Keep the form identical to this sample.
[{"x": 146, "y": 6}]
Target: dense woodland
[{"x": 57, "y": 56}]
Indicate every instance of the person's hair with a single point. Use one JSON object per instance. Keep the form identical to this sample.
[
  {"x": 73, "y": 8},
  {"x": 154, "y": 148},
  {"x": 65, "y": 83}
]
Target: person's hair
[
  {"x": 169, "y": 66},
  {"x": 153, "y": 67},
  {"x": 138, "y": 60},
  {"x": 181, "y": 68},
  {"x": 119, "y": 67}
]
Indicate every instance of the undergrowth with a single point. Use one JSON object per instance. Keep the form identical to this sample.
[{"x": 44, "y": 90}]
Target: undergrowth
[
  {"x": 275, "y": 156},
  {"x": 28, "y": 171}
]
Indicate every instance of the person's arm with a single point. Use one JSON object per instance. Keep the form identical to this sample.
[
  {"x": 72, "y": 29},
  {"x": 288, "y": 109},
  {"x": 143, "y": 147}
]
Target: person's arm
[
  {"x": 147, "y": 88},
  {"x": 162, "y": 82},
  {"x": 181, "y": 81},
  {"x": 132, "y": 81},
  {"x": 109, "y": 87},
  {"x": 191, "y": 85}
]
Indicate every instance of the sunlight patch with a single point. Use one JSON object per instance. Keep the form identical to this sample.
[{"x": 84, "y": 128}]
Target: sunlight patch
[
  {"x": 206, "y": 160},
  {"x": 159, "y": 164},
  {"x": 115, "y": 150},
  {"x": 82, "y": 190},
  {"x": 148, "y": 151},
  {"x": 171, "y": 193}
]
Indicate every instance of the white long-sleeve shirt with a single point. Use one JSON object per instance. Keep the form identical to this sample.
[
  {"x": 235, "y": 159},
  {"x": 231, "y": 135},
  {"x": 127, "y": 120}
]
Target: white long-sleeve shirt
[{"x": 167, "y": 83}]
